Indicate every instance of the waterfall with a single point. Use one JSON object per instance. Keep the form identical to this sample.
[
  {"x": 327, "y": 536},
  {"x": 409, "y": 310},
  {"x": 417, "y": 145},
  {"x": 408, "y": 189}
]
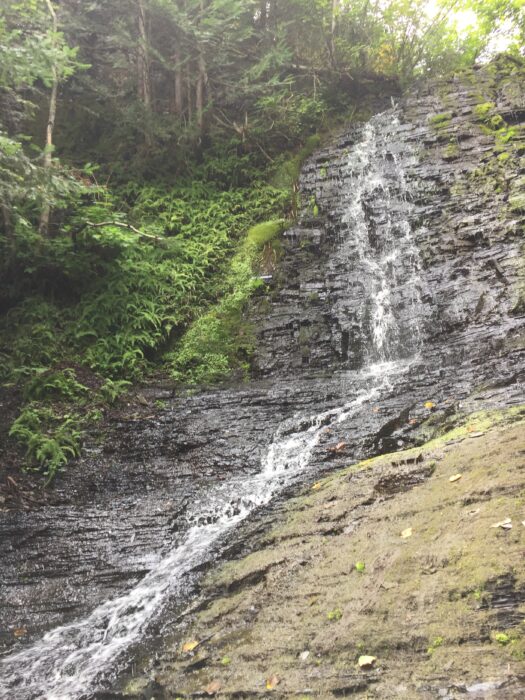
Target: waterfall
[{"x": 72, "y": 661}]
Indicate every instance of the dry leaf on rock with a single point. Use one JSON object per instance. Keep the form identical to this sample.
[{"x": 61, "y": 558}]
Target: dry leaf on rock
[
  {"x": 213, "y": 687},
  {"x": 272, "y": 682},
  {"x": 406, "y": 533},
  {"x": 20, "y": 632},
  {"x": 190, "y": 646},
  {"x": 304, "y": 655},
  {"x": 316, "y": 486},
  {"x": 504, "y": 524},
  {"x": 366, "y": 661},
  {"x": 456, "y": 477}
]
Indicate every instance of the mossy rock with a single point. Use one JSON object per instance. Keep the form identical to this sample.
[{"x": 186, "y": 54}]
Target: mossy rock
[
  {"x": 265, "y": 232},
  {"x": 483, "y": 110},
  {"x": 517, "y": 202},
  {"x": 441, "y": 119}
]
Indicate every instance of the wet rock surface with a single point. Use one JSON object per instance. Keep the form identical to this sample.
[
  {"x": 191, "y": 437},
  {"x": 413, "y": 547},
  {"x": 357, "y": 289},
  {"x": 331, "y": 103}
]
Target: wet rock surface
[
  {"x": 353, "y": 571},
  {"x": 458, "y": 341}
]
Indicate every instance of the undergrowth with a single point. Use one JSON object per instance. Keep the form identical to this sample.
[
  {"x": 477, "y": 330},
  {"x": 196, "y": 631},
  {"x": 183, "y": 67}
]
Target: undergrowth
[{"x": 119, "y": 304}]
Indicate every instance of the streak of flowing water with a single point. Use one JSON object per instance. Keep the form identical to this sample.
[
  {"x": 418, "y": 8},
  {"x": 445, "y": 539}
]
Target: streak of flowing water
[
  {"x": 71, "y": 661},
  {"x": 376, "y": 238}
]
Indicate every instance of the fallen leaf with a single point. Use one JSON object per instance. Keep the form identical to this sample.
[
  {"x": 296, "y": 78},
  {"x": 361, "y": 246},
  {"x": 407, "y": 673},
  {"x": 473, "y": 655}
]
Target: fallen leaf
[
  {"x": 316, "y": 486},
  {"x": 20, "y": 632},
  {"x": 406, "y": 533},
  {"x": 190, "y": 646},
  {"x": 340, "y": 446},
  {"x": 272, "y": 682},
  {"x": 476, "y": 434},
  {"x": 313, "y": 600},
  {"x": 456, "y": 477},
  {"x": 413, "y": 421},
  {"x": 366, "y": 661},
  {"x": 213, "y": 687},
  {"x": 504, "y": 524},
  {"x": 304, "y": 655},
  {"x": 429, "y": 404}
]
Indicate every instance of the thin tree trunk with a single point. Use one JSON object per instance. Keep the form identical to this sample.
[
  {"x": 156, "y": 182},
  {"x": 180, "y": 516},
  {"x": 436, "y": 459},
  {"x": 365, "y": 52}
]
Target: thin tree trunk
[
  {"x": 8, "y": 228},
  {"x": 263, "y": 13},
  {"x": 333, "y": 27},
  {"x": 202, "y": 80},
  {"x": 45, "y": 214},
  {"x": 189, "y": 92},
  {"x": 144, "y": 59},
  {"x": 179, "y": 73},
  {"x": 179, "y": 80},
  {"x": 144, "y": 69},
  {"x": 200, "y": 91}
]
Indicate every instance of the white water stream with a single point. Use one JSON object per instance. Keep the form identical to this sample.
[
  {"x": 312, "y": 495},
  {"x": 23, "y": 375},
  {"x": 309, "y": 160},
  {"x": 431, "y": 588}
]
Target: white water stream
[{"x": 71, "y": 661}]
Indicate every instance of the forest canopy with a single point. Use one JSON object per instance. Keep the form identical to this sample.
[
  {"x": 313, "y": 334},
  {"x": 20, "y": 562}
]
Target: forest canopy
[{"x": 143, "y": 145}]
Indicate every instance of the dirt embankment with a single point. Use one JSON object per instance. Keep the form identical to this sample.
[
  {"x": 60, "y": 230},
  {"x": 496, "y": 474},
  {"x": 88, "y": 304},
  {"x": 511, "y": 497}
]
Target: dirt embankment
[{"x": 416, "y": 559}]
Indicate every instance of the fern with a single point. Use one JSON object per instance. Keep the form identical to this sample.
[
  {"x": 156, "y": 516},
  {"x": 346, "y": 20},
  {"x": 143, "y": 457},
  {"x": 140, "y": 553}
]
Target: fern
[{"x": 51, "y": 441}]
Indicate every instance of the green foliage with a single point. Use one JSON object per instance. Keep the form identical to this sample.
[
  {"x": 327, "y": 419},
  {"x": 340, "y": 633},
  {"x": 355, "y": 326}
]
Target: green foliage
[
  {"x": 493, "y": 123},
  {"x": 221, "y": 341},
  {"x": 50, "y": 440},
  {"x": 435, "y": 644},
  {"x": 501, "y": 638},
  {"x": 441, "y": 120},
  {"x": 112, "y": 389},
  {"x": 264, "y": 232},
  {"x": 334, "y": 615},
  {"x": 483, "y": 110},
  {"x": 109, "y": 300},
  {"x": 286, "y": 173},
  {"x": 49, "y": 384}
]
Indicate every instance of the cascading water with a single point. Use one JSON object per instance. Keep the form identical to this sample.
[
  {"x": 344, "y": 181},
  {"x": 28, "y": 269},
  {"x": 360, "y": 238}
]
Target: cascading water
[{"x": 70, "y": 662}]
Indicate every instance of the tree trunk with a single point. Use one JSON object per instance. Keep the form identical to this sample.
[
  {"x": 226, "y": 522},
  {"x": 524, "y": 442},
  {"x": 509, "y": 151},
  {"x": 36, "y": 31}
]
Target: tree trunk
[
  {"x": 189, "y": 95},
  {"x": 333, "y": 27},
  {"x": 45, "y": 214},
  {"x": 6, "y": 217},
  {"x": 144, "y": 83},
  {"x": 144, "y": 63},
  {"x": 202, "y": 81},
  {"x": 200, "y": 91},
  {"x": 178, "y": 70},
  {"x": 179, "y": 81},
  {"x": 263, "y": 9}
]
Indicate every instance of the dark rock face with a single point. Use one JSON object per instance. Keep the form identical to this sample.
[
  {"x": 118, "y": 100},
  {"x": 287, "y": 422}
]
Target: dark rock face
[{"x": 422, "y": 265}]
